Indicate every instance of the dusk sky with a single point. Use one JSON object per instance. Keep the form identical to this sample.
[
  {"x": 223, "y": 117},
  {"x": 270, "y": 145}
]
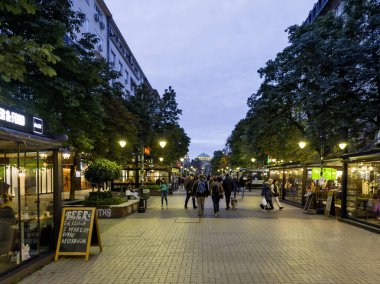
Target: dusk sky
[{"x": 209, "y": 51}]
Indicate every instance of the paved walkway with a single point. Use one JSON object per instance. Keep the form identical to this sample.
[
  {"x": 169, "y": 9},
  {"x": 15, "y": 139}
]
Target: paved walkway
[{"x": 243, "y": 246}]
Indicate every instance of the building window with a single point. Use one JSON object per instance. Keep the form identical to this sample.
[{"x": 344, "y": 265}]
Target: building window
[
  {"x": 88, "y": 2},
  {"x": 99, "y": 17},
  {"x": 100, "y": 43},
  {"x": 126, "y": 76},
  {"x": 85, "y": 25},
  {"x": 339, "y": 9},
  {"x": 112, "y": 59},
  {"x": 120, "y": 67}
]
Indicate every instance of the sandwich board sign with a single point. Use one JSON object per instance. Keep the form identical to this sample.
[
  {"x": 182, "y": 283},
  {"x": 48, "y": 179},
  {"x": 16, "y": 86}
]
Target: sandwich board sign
[{"x": 78, "y": 231}]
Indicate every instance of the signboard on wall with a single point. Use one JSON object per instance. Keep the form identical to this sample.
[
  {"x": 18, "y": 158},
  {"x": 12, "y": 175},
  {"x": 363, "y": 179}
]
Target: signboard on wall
[
  {"x": 328, "y": 173},
  {"x": 17, "y": 120}
]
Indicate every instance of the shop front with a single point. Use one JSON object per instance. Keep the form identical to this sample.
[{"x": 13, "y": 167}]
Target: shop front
[
  {"x": 363, "y": 188},
  {"x": 30, "y": 187},
  {"x": 291, "y": 180},
  {"x": 324, "y": 182}
]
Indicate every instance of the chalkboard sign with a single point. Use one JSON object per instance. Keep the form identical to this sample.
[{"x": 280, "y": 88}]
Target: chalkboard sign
[
  {"x": 330, "y": 206},
  {"x": 308, "y": 202},
  {"x": 77, "y": 232}
]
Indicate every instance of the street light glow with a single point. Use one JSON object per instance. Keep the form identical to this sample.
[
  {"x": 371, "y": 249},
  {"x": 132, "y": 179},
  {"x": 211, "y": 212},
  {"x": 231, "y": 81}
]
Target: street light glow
[
  {"x": 162, "y": 143},
  {"x": 122, "y": 143},
  {"x": 161, "y": 159},
  {"x": 302, "y": 144},
  {"x": 253, "y": 160},
  {"x": 342, "y": 145}
]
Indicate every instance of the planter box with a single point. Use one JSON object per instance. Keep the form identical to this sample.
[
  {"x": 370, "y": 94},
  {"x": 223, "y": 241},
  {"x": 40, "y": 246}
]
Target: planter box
[{"x": 117, "y": 211}]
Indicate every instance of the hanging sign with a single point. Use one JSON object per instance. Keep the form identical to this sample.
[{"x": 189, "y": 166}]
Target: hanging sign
[{"x": 328, "y": 173}]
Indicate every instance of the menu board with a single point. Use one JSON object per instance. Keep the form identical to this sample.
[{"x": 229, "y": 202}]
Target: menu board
[
  {"x": 330, "y": 207},
  {"x": 308, "y": 202},
  {"x": 77, "y": 232}
]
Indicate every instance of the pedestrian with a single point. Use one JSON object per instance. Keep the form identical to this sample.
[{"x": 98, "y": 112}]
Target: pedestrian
[
  {"x": 267, "y": 194},
  {"x": 276, "y": 193},
  {"x": 228, "y": 187},
  {"x": 164, "y": 187},
  {"x": 201, "y": 191},
  {"x": 216, "y": 193},
  {"x": 242, "y": 186},
  {"x": 236, "y": 185},
  {"x": 189, "y": 191}
]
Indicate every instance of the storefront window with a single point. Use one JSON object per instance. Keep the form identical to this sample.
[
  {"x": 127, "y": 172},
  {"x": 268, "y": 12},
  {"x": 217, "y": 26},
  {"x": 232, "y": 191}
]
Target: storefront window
[
  {"x": 331, "y": 180},
  {"x": 293, "y": 185},
  {"x": 26, "y": 206},
  {"x": 363, "y": 191},
  {"x": 278, "y": 175}
]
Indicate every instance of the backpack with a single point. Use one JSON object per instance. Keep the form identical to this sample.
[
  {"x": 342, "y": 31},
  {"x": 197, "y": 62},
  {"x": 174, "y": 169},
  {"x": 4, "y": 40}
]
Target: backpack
[
  {"x": 215, "y": 189},
  {"x": 201, "y": 187}
]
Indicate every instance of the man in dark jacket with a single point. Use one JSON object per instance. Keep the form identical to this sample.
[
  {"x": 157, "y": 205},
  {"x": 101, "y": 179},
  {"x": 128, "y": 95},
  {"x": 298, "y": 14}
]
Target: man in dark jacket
[
  {"x": 189, "y": 191},
  {"x": 228, "y": 186}
]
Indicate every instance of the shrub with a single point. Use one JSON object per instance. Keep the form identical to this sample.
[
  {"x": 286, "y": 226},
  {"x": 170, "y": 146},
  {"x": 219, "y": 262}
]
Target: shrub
[{"x": 102, "y": 198}]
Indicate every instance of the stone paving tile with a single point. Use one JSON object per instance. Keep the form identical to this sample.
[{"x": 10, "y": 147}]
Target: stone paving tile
[{"x": 243, "y": 246}]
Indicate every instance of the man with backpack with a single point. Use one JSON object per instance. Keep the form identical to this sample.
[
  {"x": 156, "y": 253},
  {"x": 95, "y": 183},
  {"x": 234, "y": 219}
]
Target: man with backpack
[{"x": 201, "y": 191}]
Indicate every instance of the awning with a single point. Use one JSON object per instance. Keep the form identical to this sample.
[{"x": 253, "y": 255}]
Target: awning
[{"x": 9, "y": 139}]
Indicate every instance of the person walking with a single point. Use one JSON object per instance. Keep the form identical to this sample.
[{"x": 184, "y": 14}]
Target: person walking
[
  {"x": 164, "y": 187},
  {"x": 201, "y": 191},
  {"x": 235, "y": 181},
  {"x": 242, "y": 186},
  {"x": 228, "y": 186},
  {"x": 276, "y": 193},
  {"x": 189, "y": 191},
  {"x": 267, "y": 193},
  {"x": 216, "y": 193}
]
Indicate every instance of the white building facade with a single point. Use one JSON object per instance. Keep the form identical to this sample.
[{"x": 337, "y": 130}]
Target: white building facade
[{"x": 111, "y": 45}]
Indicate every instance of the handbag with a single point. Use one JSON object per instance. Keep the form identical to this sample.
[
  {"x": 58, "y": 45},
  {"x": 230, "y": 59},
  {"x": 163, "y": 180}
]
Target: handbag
[
  {"x": 221, "y": 196},
  {"x": 264, "y": 201}
]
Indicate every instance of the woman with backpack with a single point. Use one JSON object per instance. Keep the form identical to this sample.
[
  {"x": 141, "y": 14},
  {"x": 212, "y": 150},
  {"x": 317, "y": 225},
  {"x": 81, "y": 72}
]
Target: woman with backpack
[
  {"x": 216, "y": 193},
  {"x": 201, "y": 191}
]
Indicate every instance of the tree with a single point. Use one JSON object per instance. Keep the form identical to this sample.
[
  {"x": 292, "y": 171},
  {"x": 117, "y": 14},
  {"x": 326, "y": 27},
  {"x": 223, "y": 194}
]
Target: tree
[
  {"x": 20, "y": 50},
  {"x": 168, "y": 108},
  {"x": 101, "y": 171},
  {"x": 219, "y": 161},
  {"x": 330, "y": 67}
]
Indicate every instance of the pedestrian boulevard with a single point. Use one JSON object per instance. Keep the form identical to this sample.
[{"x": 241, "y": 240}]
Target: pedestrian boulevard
[{"x": 244, "y": 246}]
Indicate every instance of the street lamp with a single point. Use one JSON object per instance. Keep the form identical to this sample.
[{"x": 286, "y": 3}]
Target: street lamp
[
  {"x": 161, "y": 159},
  {"x": 66, "y": 154},
  {"x": 342, "y": 145},
  {"x": 302, "y": 144},
  {"x": 122, "y": 143},
  {"x": 162, "y": 143},
  {"x": 253, "y": 160}
]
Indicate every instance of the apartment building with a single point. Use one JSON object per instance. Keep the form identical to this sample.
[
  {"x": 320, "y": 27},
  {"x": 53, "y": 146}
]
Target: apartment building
[
  {"x": 322, "y": 7},
  {"x": 112, "y": 45}
]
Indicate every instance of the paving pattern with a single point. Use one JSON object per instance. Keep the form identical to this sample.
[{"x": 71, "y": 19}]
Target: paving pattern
[{"x": 246, "y": 245}]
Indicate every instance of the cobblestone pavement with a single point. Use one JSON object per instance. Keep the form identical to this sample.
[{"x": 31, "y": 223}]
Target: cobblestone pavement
[{"x": 244, "y": 246}]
